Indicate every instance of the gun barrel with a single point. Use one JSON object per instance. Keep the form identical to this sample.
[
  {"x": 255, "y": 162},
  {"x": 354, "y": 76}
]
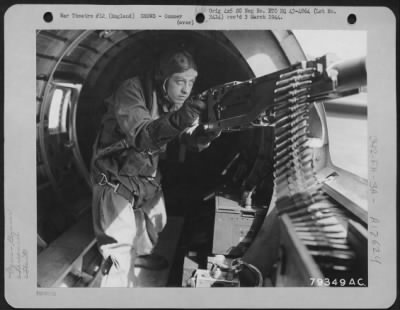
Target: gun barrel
[{"x": 351, "y": 74}]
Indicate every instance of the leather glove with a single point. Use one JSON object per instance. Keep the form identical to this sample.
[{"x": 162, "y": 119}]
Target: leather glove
[
  {"x": 204, "y": 137},
  {"x": 188, "y": 113}
]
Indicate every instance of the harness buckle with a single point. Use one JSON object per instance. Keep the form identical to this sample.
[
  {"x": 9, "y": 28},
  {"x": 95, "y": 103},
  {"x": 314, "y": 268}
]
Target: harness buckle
[{"x": 104, "y": 181}]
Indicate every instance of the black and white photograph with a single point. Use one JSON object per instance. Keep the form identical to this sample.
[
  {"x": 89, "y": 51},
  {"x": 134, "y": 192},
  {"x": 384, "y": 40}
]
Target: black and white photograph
[
  {"x": 159, "y": 153},
  {"x": 204, "y": 159}
]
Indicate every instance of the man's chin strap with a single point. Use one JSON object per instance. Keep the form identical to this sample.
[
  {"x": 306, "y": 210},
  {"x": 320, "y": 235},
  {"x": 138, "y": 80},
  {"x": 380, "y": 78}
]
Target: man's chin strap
[{"x": 165, "y": 93}]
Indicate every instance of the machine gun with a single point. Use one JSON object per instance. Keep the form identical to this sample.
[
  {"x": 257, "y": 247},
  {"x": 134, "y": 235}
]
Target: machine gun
[
  {"x": 282, "y": 100},
  {"x": 239, "y": 105}
]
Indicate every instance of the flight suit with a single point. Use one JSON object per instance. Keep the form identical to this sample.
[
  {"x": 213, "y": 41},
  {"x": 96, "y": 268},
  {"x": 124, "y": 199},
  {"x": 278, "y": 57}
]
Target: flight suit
[{"x": 127, "y": 228}]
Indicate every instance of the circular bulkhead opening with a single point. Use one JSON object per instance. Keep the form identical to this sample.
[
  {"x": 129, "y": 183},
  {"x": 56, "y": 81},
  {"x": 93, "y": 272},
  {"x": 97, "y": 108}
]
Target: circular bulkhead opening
[
  {"x": 90, "y": 65},
  {"x": 187, "y": 176}
]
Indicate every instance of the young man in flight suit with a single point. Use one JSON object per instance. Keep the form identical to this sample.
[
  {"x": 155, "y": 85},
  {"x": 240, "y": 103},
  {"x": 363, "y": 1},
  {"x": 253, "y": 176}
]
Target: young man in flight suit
[{"x": 128, "y": 205}]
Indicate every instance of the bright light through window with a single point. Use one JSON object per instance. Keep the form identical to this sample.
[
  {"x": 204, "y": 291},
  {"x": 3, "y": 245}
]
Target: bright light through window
[
  {"x": 59, "y": 108},
  {"x": 259, "y": 64},
  {"x": 348, "y": 142},
  {"x": 65, "y": 109},
  {"x": 347, "y": 128},
  {"x": 55, "y": 110}
]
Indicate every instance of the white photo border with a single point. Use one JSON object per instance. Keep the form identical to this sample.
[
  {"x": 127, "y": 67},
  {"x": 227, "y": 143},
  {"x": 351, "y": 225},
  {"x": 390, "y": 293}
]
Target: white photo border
[{"x": 22, "y": 21}]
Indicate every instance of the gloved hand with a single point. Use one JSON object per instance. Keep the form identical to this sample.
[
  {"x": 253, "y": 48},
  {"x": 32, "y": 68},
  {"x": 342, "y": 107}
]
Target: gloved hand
[
  {"x": 198, "y": 139},
  {"x": 188, "y": 113},
  {"x": 204, "y": 137}
]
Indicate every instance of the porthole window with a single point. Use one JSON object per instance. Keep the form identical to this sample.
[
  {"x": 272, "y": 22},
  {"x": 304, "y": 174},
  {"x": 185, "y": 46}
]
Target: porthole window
[{"x": 59, "y": 109}]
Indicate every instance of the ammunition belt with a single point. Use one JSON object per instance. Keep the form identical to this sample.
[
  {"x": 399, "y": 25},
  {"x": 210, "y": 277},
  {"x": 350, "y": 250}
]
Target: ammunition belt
[{"x": 318, "y": 222}]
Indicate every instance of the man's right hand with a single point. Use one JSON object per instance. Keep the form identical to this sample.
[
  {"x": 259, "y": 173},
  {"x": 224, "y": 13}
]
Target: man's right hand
[
  {"x": 196, "y": 104},
  {"x": 206, "y": 136},
  {"x": 188, "y": 114}
]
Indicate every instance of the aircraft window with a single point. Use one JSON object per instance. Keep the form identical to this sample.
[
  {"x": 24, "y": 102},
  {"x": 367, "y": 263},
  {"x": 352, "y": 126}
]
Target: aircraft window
[
  {"x": 347, "y": 130},
  {"x": 316, "y": 129},
  {"x": 59, "y": 108},
  {"x": 347, "y": 117},
  {"x": 260, "y": 63}
]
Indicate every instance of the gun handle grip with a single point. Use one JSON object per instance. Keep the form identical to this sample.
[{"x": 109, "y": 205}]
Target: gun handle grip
[{"x": 208, "y": 128}]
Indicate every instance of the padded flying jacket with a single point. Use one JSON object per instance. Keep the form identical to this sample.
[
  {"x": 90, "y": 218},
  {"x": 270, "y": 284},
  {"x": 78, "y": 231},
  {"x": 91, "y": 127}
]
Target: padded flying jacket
[{"x": 136, "y": 114}]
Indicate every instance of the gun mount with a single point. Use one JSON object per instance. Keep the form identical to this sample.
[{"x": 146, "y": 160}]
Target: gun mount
[{"x": 248, "y": 104}]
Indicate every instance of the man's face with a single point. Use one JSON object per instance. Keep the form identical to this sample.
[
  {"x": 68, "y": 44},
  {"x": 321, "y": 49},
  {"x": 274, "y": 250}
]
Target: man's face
[{"x": 180, "y": 85}]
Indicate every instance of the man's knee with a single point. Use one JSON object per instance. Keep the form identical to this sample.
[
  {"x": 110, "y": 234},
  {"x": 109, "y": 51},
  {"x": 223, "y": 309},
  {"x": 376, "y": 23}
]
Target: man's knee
[{"x": 156, "y": 213}]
